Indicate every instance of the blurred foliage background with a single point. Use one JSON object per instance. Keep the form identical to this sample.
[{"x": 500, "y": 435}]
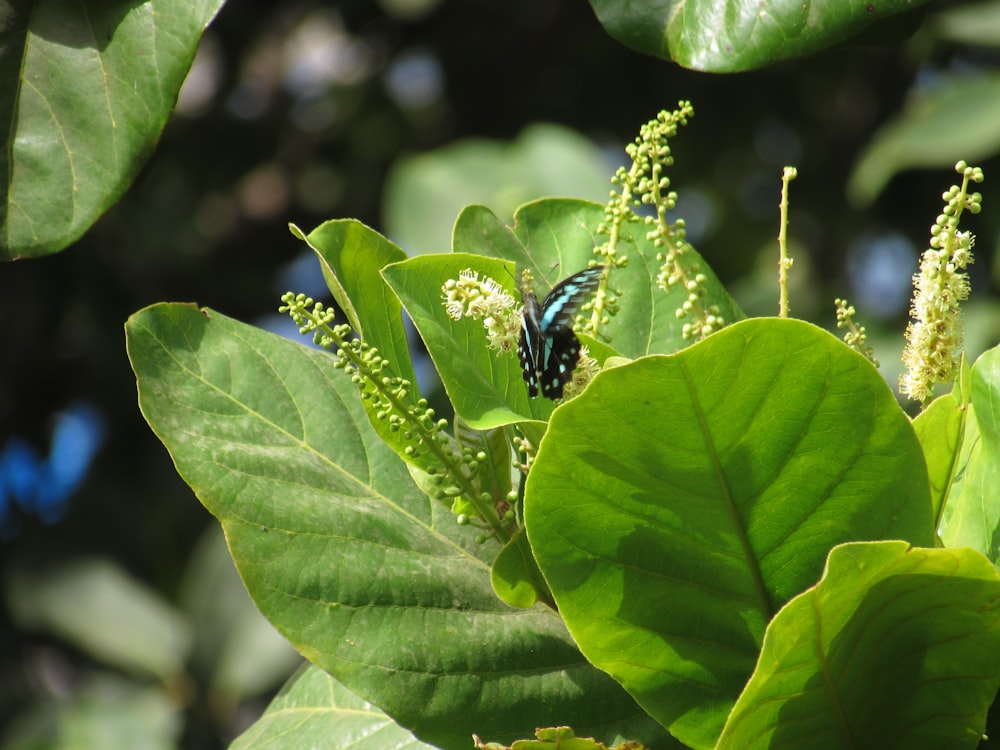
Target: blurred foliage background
[{"x": 117, "y": 590}]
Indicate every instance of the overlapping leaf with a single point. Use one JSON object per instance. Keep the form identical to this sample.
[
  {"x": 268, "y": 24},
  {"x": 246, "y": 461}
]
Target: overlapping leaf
[
  {"x": 364, "y": 574},
  {"x": 679, "y": 502},
  {"x": 895, "y": 647},
  {"x": 974, "y": 518},
  {"x": 314, "y": 710}
]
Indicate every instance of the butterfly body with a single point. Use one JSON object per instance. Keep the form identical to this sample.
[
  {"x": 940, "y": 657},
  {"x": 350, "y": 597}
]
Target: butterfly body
[{"x": 548, "y": 348}]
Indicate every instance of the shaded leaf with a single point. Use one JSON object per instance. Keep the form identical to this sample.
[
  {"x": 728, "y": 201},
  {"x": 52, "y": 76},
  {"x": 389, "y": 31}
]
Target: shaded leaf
[
  {"x": 95, "y": 84},
  {"x": 515, "y": 574},
  {"x": 424, "y": 193},
  {"x": 228, "y": 627},
  {"x": 975, "y": 23},
  {"x": 97, "y": 607},
  {"x": 103, "y": 711},
  {"x": 492, "y": 452}
]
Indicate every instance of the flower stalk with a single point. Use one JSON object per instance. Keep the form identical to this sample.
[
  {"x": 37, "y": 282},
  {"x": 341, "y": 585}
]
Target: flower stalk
[
  {"x": 388, "y": 398},
  {"x": 934, "y": 336}
]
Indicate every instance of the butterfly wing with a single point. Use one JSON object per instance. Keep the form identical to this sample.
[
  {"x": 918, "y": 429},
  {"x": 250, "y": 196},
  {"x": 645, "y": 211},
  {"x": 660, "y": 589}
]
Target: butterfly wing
[
  {"x": 561, "y": 355},
  {"x": 530, "y": 344},
  {"x": 560, "y": 305},
  {"x": 548, "y": 349}
]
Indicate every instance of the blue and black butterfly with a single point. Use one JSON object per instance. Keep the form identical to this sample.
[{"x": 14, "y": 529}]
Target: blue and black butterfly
[{"x": 548, "y": 349}]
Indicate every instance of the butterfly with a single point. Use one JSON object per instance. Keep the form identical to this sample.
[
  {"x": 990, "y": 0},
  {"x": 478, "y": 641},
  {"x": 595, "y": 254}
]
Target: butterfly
[{"x": 548, "y": 348}]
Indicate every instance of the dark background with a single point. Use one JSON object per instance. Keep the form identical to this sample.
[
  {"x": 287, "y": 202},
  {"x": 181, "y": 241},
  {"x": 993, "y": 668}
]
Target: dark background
[{"x": 206, "y": 221}]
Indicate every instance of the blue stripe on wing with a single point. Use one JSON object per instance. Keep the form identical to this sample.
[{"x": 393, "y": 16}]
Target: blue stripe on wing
[{"x": 548, "y": 348}]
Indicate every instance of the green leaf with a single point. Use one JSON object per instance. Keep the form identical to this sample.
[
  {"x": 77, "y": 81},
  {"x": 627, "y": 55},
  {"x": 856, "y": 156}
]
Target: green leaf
[
  {"x": 940, "y": 428},
  {"x": 556, "y": 237},
  {"x": 515, "y": 575},
  {"x": 90, "y": 88},
  {"x": 485, "y": 388},
  {"x": 730, "y": 36},
  {"x": 94, "y": 605},
  {"x": 974, "y": 520},
  {"x": 959, "y": 118},
  {"x": 680, "y": 501},
  {"x": 424, "y": 193},
  {"x": 366, "y": 576},
  {"x": 352, "y": 257},
  {"x": 552, "y": 238},
  {"x": 314, "y": 710},
  {"x": 895, "y": 647}
]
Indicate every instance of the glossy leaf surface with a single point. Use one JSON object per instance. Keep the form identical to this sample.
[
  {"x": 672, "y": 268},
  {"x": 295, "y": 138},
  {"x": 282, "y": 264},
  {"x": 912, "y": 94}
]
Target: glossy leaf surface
[
  {"x": 678, "y": 503},
  {"x": 730, "y": 36}
]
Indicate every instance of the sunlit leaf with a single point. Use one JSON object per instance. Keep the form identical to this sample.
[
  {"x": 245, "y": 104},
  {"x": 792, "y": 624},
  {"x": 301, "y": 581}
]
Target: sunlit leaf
[
  {"x": 895, "y": 647},
  {"x": 974, "y": 520},
  {"x": 678, "y": 503}
]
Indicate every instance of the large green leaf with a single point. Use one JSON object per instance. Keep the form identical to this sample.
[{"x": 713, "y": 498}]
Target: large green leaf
[
  {"x": 680, "y": 501},
  {"x": 314, "y": 710},
  {"x": 895, "y": 647},
  {"x": 89, "y": 88},
  {"x": 974, "y": 519},
  {"x": 725, "y": 36},
  {"x": 365, "y": 575}
]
